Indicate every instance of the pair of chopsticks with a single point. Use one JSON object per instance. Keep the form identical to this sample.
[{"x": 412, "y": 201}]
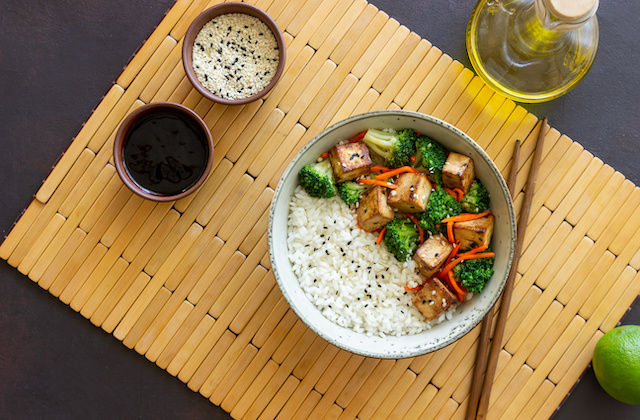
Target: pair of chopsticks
[{"x": 485, "y": 367}]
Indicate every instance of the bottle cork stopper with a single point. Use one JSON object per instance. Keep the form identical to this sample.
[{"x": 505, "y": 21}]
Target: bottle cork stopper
[{"x": 571, "y": 9}]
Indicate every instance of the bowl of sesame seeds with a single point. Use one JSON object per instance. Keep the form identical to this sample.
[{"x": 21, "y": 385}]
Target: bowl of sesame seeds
[{"x": 233, "y": 53}]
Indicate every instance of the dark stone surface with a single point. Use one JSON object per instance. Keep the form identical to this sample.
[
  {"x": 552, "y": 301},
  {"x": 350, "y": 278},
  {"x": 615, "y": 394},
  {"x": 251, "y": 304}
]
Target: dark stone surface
[{"x": 57, "y": 59}]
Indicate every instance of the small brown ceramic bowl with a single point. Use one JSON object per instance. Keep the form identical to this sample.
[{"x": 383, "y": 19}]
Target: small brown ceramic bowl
[
  {"x": 163, "y": 151},
  {"x": 204, "y": 18}
]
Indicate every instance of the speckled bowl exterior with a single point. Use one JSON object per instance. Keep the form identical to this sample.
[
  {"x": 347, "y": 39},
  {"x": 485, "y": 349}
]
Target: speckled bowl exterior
[
  {"x": 468, "y": 314},
  {"x": 206, "y": 16}
]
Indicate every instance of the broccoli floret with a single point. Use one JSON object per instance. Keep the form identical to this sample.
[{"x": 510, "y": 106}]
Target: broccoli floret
[
  {"x": 395, "y": 148},
  {"x": 430, "y": 158},
  {"x": 440, "y": 206},
  {"x": 401, "y": 238},
  {"x": 436, "y": 178},
  {"x": 430, "y": 155},
  {"x": 474, "y": 274},
  {"x": 317, "y": 179},
  {"x": 476, "y": 200},
  {"x": 351, "y": 191}
]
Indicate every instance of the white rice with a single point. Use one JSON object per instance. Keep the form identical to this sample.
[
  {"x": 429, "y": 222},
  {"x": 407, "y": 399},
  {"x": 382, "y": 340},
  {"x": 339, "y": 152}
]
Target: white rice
[{"x": 354, "y": 282}]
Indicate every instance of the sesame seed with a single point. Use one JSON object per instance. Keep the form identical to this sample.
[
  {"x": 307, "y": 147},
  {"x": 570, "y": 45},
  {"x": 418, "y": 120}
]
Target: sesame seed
[{"x": 256, "y": 57}]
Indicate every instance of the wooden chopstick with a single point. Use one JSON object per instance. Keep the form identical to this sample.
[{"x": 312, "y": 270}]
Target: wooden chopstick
[
  {"x": 485, "y": 331},
  {"x": 513, "y": 173},
  {"x": 481, "y": 385}
]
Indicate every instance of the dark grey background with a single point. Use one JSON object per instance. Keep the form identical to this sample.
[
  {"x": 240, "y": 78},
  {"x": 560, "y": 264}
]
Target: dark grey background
[{"x": 57, "y": 59}]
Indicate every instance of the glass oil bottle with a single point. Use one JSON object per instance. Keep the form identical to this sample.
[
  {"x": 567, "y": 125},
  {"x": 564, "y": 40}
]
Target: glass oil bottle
[{"x": 533, "y": 50}]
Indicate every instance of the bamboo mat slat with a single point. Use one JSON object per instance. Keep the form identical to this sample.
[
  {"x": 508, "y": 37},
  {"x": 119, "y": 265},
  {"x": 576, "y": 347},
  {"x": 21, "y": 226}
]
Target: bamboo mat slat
[{"x": 189, "y": 284}]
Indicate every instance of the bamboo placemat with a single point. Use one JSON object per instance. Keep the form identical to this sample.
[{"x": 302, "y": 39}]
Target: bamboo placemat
[{"x": 188, "y": 284}]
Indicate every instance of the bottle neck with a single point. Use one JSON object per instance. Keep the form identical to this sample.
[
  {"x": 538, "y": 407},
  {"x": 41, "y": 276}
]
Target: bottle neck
[
  {"x": 556, "y": 22},
  {"x": 539, "y": 30}
]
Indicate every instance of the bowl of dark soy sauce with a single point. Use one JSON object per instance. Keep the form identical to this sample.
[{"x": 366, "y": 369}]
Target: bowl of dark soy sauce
[{"x": 163, "y": 151}]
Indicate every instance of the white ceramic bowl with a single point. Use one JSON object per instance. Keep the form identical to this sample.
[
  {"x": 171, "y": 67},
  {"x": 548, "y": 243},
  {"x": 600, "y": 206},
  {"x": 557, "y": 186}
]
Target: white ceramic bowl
[{"x": 468, "y": 314}]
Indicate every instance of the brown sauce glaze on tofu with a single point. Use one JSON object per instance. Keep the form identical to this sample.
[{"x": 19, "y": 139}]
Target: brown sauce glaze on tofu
[
  {"x": 350, "y": 160},
  {"x": 474, "y": 233},
  {"x": 373, "y": 210},
  {"x": 433, "y": 299},
  {"x": 432, "y": 254},
  {"x": 458, "y": 172},
  {"x": 412, "y": 193}
]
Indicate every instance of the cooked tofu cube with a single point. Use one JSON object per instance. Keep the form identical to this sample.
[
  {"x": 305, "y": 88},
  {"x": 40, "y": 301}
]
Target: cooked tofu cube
[
  {"x": 412, "y": 193},
  {"x": 433, "y": 299},
  {"x": 373, "y": 210},
  {"x": 432, "y": 254},
  {"x": 474, "y": 233},
  {"x": 350, "y": 161},
  {"x": 458, "y": 172}
]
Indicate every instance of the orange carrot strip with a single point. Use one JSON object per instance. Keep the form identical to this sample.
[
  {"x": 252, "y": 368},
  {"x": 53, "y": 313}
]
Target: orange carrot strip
[
  {"x": 377, "y": 182},
  {"x": 413, "y": 218},
  {"x": 451, "y": 193},
  {"x": 377, "y": 168},
  {"x": 475, "y": 250},
  {"x": 358, "y": 137},
  {"x": 478, "y": 255},
  {"x": 459, "y": 193},
  {"x": 455, "y": 250},
  {"x": 445, "y": 279},
  {"x": 324, "y": 155},
  {"x": 412, "y": 158},
  {"x": 412, "y": 289},
  {"x": 448, "y": 267},
  {"x": 395, "y": 172},
  {"x": 465, "y": 217},
  {"x": 456, "y": 287},
  {"x": 461, "y": 258},
  {"x": 450, "y": 232},
  {"x": 381, "y": 235},
  {"x": 415, "y": 221},
  {"x": 417, "y": 134}
]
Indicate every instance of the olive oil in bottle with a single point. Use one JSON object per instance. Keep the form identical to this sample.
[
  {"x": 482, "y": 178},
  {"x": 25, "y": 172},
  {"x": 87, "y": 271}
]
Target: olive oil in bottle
[{"x": 533, "y": 50}]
